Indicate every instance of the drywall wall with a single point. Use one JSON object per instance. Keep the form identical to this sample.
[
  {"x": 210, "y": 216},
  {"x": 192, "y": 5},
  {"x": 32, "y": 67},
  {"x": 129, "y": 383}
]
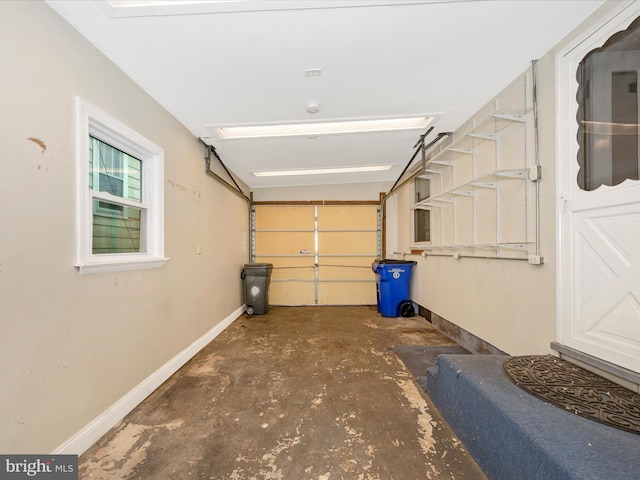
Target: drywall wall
[
  {"x": 508, "y": 303},
  {"x": 339, "y": 192},
  {"x": 71, "y": 346}
]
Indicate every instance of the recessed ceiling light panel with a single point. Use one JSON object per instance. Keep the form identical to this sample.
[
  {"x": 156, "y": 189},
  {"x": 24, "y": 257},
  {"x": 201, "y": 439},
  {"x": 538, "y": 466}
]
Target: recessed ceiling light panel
[
  {"x": 321, "y": 171},
  {"x": 145, "y": 8},
  {"x": 336, "y": 127}
]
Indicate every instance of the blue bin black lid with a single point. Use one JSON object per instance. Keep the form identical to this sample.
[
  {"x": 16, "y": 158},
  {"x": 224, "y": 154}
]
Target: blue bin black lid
[{"x": 390, "y": 261}]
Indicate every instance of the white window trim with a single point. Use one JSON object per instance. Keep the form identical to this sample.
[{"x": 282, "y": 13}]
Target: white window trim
[{"x": 93, "y": 121}]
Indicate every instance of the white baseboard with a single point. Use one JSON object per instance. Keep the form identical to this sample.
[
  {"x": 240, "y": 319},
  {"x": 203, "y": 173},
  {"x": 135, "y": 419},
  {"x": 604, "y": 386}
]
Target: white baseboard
[{"x": 91, "y": 433}]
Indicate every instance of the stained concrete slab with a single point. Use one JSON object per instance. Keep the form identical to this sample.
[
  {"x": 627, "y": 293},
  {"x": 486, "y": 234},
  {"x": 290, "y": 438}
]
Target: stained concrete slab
[{"x": 299, "y": 393}]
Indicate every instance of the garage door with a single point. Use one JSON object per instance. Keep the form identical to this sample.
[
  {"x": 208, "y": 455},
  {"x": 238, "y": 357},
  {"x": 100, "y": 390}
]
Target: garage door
[{"x": 321, "y": 254}]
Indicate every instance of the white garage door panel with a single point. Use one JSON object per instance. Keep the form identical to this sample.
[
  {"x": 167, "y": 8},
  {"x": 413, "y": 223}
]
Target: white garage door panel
[
  {"x": 292, "y": 268},
  {"x": 346, "y": 268},
  {"x": 284, "y": 243},
  {"x": 321, "y": 254},
  {"x": 285, "y": 218},
  {"x": 292, "y": 293},
  {"x": 347, "y": 217},
  {"x": 346, "y": 293},
  {"x": 345, "y": 243}
]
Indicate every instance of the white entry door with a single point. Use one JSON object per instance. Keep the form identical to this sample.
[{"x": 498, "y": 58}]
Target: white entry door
[
  {"x": 602, "y": 276},
  {"x": 599, "y": 289}
]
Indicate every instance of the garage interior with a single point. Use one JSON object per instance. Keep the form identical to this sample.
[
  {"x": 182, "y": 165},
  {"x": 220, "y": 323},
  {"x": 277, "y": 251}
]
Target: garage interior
[
  {"x": 300, "y": 392},
  {"x": 153, "y": 149}
]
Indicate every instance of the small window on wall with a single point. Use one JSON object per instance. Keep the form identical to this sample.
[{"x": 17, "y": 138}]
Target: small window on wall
[
  {"x": 608, "y": 111},
  {"x": 116, "y": 174},
  {"x": 120, "y": 196},
  {"x": 422, "y": 225},
  {"x": 422, "y": 218}
]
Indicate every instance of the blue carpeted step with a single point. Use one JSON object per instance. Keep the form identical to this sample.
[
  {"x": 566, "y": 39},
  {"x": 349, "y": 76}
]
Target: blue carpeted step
[
  {"x": 419, "y": 358},
  {"x": 516, "y": 436}
]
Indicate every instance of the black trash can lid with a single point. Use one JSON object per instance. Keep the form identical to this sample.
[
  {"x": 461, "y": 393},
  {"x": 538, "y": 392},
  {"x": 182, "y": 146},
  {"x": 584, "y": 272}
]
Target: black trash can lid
[
  {"x": 256, "y": 270},
  {"x": 392, "y": 261}
]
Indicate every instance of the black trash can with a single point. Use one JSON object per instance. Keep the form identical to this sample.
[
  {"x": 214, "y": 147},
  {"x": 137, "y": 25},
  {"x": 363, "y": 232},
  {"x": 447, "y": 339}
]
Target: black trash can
[{"x": 256, "y": 287}]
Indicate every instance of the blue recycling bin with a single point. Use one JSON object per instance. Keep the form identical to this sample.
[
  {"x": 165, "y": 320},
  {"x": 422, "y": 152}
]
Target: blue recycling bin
[{"x": 393, "y": 284}]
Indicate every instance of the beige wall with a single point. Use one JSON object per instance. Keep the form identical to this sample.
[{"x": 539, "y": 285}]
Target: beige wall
[
  {"x": 70, "y": 345},
  {"x": 508, "y": 303},
  {"x": 345, "y": 191}
]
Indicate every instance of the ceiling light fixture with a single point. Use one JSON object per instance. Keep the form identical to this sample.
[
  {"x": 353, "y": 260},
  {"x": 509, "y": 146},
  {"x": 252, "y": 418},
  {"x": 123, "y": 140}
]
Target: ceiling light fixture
[
  {"x": 320, "y": 171},
  {"x": 323, "y": 128}
]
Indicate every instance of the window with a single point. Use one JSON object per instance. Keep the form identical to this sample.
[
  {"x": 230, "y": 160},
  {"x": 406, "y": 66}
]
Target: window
[
  {"x": 608, "y": 111},
  {"x": 422, "y": 218},
  {"x": 116, "y": 227},
  {"x": 120, "y": 196}
]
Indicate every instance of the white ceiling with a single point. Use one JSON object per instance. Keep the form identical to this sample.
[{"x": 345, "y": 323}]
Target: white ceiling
[{"x": 240, "y": 62}]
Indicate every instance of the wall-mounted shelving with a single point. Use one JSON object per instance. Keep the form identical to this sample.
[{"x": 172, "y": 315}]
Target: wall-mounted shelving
[{"x": 484, "y": 199}]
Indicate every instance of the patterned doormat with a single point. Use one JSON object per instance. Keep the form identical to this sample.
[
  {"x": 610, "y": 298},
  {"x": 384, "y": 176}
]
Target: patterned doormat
[{"x": 576, "y": 390}]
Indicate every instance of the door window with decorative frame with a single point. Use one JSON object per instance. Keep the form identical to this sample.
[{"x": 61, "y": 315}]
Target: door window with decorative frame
[{"x": 608, "y": 111}]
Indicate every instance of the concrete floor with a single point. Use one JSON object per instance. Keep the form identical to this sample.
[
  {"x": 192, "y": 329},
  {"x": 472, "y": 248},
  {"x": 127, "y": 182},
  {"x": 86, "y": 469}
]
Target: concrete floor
[{"x": 299, "y": 393}]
